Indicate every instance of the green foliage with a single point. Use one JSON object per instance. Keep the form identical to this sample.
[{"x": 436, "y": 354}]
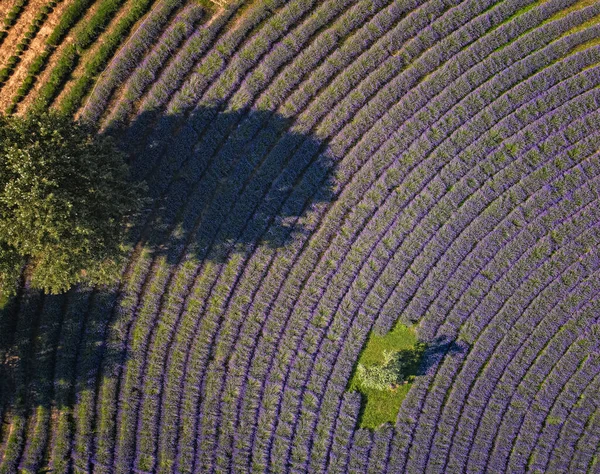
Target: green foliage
[
  {"x": 64, "y": 198},
  {"x": 395, "y": 369},
  {"x": 386, "y": 368},
  {"x": 381, "y": 376}
]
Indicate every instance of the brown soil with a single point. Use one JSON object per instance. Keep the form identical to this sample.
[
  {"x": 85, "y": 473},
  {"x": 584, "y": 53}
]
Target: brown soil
[
  {"x": 4, "y": 8},
  {"x": 43, "y": 77},
  {"x": 35, "y": 48},
  {"x": 17, "y": 31}
]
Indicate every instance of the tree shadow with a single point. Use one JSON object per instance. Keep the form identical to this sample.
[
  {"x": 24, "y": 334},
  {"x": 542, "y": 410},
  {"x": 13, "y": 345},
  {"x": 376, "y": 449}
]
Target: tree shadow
[
  {"x": 223, "y": 181},
  {"x": 434, "y": 352},
  {"x": 219, "y": 183}
]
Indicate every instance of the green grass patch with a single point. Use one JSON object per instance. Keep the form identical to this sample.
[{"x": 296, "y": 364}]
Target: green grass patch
[{"x": 381, "y": 406}]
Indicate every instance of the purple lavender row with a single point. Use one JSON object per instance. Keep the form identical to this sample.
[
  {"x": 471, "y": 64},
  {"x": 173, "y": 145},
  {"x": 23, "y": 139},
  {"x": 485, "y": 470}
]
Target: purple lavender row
[
  {"x": 340, "y": 20},
  {"x": 179, "y": 67},
  {"x": 442, "y": 83},
  {"x": 148, "y": 425},
  {"x": 130, "y": 393},
  {"x": 325, "y": 385},
  {"x": 564, "y": 411},
  {"x": 556, "y": 412},
  {"x": 562, "y": 370},
  {"x": 537, "y": 372},
  {"x": 255, "y": 189},
  {"x": 220, "y": 89},
  {"x": 387, "y": 81},
  {"x": 247, "y": 345},
  {"x": 30, "y": 306},
  {"x": 574, "y": 426},
  {"x": 332, "y": 401},
  {"x": 151, "y": 371},
  {"x": 319, "y": 442},
  {"x": 257, "y": 49},
  {"x": 488, "y": 425},
  {"x": 488, "y": 380},
  {"x": 107, "y": 401},
  {"x": 503, "y": 128},
  {"x": 541, "y": 335},
  {"x": 115, "y": 387},
  {"x": 65, "y": 378},
  {"x": 179, "y": 297},
  {"x": 41, "y": 390},
  {"x": 177, "y": 71},
  {"x": 418, "y": 60},
  {"x": 585, "y": 458},
  {"x": 446, "y": 363},
  {"x": 499, "y": 267},
  {"x": 174, "y": 84},
  {"x": 91, "y": 357},
  {"x": 145, "y": 73},
  {"x": 462, "y": 395},
  {"x": 116, "y": 345},
  {"x": 380, "y": 452},
  {"x": 579, "y": 457},
  {"x": 482, "y": 201},
  {"x": 127, "y": 59},
  {"x": 360, "y": 451},
  {"x": 329, "y": 71},
  {"x": 276, "y": 85},
  {"x": 343, "y": 430}
]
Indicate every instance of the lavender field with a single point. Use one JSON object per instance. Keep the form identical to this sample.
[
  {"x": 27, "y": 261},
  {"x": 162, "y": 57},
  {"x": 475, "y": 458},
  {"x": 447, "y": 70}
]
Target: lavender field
[{"x": 321, "y": 172}]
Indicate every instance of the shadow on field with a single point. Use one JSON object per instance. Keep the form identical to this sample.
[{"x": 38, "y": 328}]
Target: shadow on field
[
  {"x": 437, "y": 349},
  {"x": 219, "y": 180},
  {"x": 52, "y": 347}
]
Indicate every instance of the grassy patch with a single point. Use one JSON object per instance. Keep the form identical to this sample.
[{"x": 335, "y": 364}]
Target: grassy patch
[{"x": 381, "y": 406}]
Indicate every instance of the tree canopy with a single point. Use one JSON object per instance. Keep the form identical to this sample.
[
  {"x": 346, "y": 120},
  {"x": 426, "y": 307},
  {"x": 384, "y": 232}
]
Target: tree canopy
[{"x": 64, "y": 200}]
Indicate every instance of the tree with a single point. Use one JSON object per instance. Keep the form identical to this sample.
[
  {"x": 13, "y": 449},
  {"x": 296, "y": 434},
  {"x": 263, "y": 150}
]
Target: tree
[
  {"x": 64, "y": 201},
  {"x": 397, "y": 367}
]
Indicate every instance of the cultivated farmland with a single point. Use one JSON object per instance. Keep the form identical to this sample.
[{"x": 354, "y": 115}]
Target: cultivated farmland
[{"x": 331, "y": 181}]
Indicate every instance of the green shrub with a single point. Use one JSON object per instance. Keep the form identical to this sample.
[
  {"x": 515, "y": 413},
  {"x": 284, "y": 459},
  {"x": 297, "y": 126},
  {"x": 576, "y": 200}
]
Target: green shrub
[{"x": 64, "y": 198}]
